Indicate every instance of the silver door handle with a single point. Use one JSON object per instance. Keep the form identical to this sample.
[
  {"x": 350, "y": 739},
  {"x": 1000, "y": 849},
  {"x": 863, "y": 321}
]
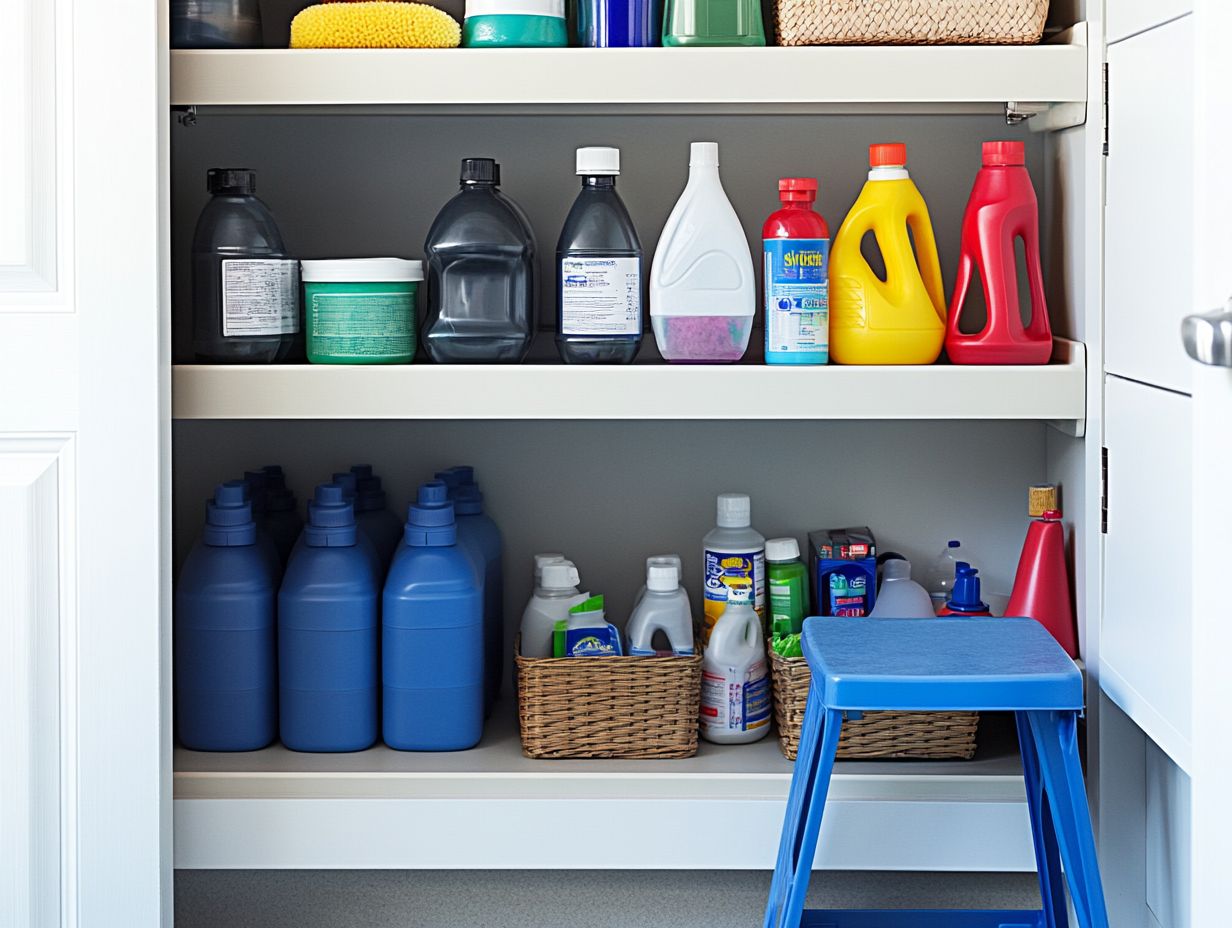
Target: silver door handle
[{"x": 1208, "y": 336}]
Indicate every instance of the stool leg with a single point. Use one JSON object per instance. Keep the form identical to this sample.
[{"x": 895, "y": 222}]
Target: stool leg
[
  {"x": 801, "y": 786},
  {"x": 1044, "y": 836},
  {"x": 1056, "y": 740}
]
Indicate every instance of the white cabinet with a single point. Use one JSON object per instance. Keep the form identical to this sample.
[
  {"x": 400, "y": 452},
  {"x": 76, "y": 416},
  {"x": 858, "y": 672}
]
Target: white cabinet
[
  {"x": 1149, "y": 232},
  {"x": 1124, "y": 18}
]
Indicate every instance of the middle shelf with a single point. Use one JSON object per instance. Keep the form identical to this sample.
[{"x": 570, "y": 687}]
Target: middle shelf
[{"x": 1052, "y": 392}]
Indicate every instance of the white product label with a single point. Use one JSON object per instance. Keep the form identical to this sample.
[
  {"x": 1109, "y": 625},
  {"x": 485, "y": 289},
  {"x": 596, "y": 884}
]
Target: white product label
[
  {"x": 260, "y": 296},
  {"x": 736, "y": 701},
  {"x": 600, "y": 296}
]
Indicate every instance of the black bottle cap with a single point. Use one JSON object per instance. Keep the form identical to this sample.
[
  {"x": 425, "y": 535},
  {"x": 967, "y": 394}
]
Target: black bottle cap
[
  {"x": 231, "y": 180},
  {"x": 480, "y": 171}
]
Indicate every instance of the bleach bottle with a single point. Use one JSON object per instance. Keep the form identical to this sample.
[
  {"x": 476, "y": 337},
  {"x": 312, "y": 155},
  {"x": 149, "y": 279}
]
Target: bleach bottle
[
  {"x": 282, "y": 521},
  {"x": 733, "y": 555},
  {"x": 663, "y": 608},
  {"x": 556, "y": 593},
  {"x": 432, "y": 634},
  {"x": 735, "y": 706},
  {"x": 372, "y": 516},
  {"x": 225, "y": 662},
  {"x": 901, "y": 319},
  {"x": 481, "y": 537},
  {"x": 796, "y": 253},
  {"x": 327, "y": 635}
]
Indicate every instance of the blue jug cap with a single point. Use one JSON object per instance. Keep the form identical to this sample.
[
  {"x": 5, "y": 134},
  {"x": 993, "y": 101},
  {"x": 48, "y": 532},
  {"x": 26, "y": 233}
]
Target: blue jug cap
[
  {"x": 258, "y": 481},
  {"x": 430, "y": 520},
  {"x": 370, "y": 495},
  {"x": 468, "y": 500},
  {"x": 450, "y": 478},
  {"x": 465, "y": 474},
  {"x": 361, "y": 471},
  {"x": 966, "y": 594},
  {"x": 274, "y": 474},
  {"x": 331, "y": 518},
  {"x": 279, "y": 499},
  {"x": 954, "y": 543},
  {"x": 228, "y": 517},
  {"x": 346, "y": 480}
]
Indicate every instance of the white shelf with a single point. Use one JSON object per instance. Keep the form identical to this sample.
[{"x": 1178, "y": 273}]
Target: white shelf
[
  {"x": 1052, "y": 392},
  {"x": 493, "y": 808},
  {"x": 954, "y": 78}
]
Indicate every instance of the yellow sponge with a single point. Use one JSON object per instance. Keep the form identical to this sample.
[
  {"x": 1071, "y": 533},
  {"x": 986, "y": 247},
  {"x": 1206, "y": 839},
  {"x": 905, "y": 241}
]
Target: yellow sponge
[{"x": 374, "y": 24}]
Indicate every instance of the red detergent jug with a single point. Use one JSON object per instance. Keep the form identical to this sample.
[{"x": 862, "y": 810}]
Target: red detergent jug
[
  {"x": 1041, "y": 585},
  {"x": 1002, "y": 208}
]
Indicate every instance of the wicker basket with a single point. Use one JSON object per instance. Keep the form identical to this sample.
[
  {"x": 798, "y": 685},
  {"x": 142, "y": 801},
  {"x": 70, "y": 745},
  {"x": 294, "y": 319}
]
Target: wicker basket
[
  {"x": 637, "y": 707},
  {"x": 879, "y": 734},
  {"x": 910, "y": 22}
]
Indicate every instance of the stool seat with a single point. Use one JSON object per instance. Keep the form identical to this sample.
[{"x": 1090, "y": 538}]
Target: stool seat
[{"x": 944, "y": 664}]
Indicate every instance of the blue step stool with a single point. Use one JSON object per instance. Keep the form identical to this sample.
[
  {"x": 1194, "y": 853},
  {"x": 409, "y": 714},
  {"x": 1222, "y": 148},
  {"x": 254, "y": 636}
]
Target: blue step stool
[{"x": 981, "y": 664}]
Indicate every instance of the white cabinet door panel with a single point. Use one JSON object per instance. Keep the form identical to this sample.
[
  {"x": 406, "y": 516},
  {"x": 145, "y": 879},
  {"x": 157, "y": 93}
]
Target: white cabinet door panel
[
  {"x": 1125, "y": 18},
  {"x": 1149, "y": 219},
  {"x": 1146, "y": 636}
]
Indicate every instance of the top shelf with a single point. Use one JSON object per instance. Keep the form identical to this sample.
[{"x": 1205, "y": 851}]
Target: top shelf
[{"x": 820, "y": 79}]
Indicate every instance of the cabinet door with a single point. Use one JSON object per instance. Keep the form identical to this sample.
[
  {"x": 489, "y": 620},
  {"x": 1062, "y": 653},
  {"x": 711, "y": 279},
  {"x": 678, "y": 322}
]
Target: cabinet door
[
  {"x": 1149, "y": 222},
  {"x": 1124, "y": 18},
  {"x": 1145, "y": 640},
  {"x": 83, "y": 740}
]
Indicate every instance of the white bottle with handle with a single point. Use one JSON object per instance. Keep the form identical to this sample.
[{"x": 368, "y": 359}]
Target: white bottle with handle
[
  {"x": 662, "y": 607},
  {"x": 555, "y": 595},
  {"x": 735, "y": 705}
]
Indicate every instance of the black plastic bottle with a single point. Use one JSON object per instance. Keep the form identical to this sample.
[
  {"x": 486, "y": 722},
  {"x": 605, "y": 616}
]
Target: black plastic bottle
[
  {"x": 598, "y": 270},
  {"x": 245, "y": 284},
  {"x": 481, "y": 274}
]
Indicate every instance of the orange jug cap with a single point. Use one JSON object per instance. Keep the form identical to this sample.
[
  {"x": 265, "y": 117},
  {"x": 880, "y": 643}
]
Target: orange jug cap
[
  {"x": 1000, "y": 154},
  {"x": 887, "y": 154}
]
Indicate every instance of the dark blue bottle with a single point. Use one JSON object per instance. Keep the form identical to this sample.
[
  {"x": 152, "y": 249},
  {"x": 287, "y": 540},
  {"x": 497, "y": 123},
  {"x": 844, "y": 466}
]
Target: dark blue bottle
[
  {"x": 432, "y": 635},
  {"x": 482, "y": 538},
  {"x": 350, "y": 490},
  {"x": 372, "y": 515},
  {"x": 618, "y": 23},
  {"x": 282, "y": 521},
  {"x": 255, "y": 497},
  {"x": 225, "y": 662},
  {"x": 327, "y": 635}
]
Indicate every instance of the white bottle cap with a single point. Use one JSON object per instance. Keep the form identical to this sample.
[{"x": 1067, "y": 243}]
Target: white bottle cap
[
  {"x": 542, "y": 560},
  {"x": 896, "y": 569},
  {"x": 782, "y": 549},
  {"x": 735, "y": 510},
  {"x": 739, "y": 595},
  {"x": 559, "y": 576},
  {"x": 668, "y": 560},
  {"x": 662, "y": 578},
  {"x": 704, "y": 154},
  {"x": 598, "y": 160}
]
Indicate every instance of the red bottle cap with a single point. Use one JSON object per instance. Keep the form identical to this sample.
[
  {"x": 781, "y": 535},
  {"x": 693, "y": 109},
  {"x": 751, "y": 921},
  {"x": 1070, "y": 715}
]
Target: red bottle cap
[
  {"x": 887, "y": 155},
  {"x": 1052, "y": 515},
  {"x": 1002, "y": 154},
  {"x": 795, "y": 189}
]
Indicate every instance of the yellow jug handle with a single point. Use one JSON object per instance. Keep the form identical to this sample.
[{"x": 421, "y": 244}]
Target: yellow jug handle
[{"x": 926, "y": 253}]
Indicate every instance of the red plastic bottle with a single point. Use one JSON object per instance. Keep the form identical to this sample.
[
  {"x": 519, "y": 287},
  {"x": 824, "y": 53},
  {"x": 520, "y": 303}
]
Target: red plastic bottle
[
  {"x": 1041, "y": 585},
  {"x": 796, "y": 255},
  {"x": 1002, "y": 208}
]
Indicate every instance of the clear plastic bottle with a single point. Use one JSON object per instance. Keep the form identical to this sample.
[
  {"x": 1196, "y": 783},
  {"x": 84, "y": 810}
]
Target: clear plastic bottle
[
  {"x": 481, "y": 274},
  {"x": 245, "y": 282},
  {"x": 598, "y": 269},
  {"x": 216, "y": 24},
  {"x": 939, "y": 578}
]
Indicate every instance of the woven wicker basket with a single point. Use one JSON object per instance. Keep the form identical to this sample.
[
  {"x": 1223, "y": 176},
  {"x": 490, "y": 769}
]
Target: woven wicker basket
[
  {"x": 910, "y": 22},
  {"x": 637, "y": 707},
  {"x": 879, "y": 734}
]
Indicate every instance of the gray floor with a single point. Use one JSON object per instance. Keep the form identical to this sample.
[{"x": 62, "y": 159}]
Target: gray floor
[{"x": 549, "y": 899}]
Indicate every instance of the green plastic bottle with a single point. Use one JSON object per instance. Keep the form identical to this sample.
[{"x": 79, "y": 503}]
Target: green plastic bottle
[
  {"x": 787, "y": 580},
  {"x": 713, "y": 22}
]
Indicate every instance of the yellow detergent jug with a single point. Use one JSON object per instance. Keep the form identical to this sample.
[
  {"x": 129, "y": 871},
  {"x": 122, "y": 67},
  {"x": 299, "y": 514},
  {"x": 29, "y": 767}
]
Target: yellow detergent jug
[{"x": 899, "y": 320}]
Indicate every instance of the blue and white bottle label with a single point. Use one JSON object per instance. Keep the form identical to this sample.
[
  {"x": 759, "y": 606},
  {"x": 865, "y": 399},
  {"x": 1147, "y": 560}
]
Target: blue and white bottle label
[{"x": 797, "y": 276}]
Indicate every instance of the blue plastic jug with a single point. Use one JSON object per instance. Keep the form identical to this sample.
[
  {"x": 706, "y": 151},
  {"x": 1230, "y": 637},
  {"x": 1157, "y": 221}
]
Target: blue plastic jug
[
  {"x": 225, "y": 661},
  {"x": 432, "y": 634},
  {"x": 482, "y": 538},
  {"x": 265, "y": 542},
  {"x": 327, "y": 635},
  {"x": 350, "y": 490},
  {"x": 282, "y": 521},
  {"x": 372, "y": 516}
]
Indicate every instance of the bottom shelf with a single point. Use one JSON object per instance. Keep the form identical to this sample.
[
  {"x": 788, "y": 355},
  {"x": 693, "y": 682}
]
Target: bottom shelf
[{"x": 492, "y": 808}]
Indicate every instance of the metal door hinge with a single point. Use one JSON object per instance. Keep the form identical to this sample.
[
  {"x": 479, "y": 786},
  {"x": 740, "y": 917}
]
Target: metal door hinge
[
  {"x": 1103, "y": 492},
  {"x": 1105, "y": 109}
]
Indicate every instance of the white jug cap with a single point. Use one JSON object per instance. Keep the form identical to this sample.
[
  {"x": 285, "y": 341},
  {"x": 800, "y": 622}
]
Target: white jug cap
[
  {"x": 662, "y": 578},
  {"x": 735, "y": 510},
  {"x": 896, "y": 569},
  {"x": 782, "y": 549},
  {"x": 670, "y": 560},
  {"x": 560, "y": 576},
  {"x": 542, "y": 560},
  {"x": 704, "y": 154},
  {"x": 598, "y": 160}
]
